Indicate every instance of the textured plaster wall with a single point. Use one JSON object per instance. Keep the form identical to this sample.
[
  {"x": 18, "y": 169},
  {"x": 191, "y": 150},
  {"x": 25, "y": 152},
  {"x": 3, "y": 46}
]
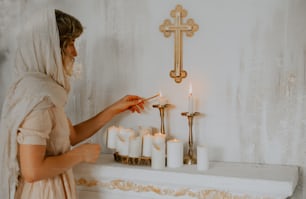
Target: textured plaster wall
[{"x": 246, "y": 64}]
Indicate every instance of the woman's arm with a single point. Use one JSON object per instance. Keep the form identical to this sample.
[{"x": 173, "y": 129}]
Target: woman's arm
[
  {"x": 89, "y": 127},
  {"x": 35, "y": 166}
]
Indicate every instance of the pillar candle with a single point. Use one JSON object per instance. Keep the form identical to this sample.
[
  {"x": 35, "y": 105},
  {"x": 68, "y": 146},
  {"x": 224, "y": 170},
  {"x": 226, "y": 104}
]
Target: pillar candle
[
  {"x": 135, "y": 147},
  {"x": 175, "y": 153},
  {"x": 202, "y": 158},
  {"x": 122, "y": 145},
  {"x": 118, "y": 138},
  {"x": 123, "y": 140},
  {"x": 147, "y": 145},
  {"x": 158, "y": 157},
  {"x": 159, "y": 138},
  {"x": 158, "y": 151},
  {"x": 112, "y": 136}
]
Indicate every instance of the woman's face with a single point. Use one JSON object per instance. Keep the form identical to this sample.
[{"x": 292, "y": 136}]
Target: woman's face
[{"x": 68, "y": 55}]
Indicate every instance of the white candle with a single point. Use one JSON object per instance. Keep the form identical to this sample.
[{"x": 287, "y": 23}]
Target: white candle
[
  {"x": 159, "y": 138},
  {"x": 175, "y": 153},
  {"x": 202, "y": 158},
  {"x": 158, "y": 156},
  {"x": 112, "y": 137},
  {"x": 123, "y": 140},
  {"x": 162, "y": 100},
  {"x": 147, "y": 145},
  {"x": 122, "y": 145},
  {"x": 190, "y": 100},
  {"x": 135, "y": 147},
  {"x": 118, "y": 142}
]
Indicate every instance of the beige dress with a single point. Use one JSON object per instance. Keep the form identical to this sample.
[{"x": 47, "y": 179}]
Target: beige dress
[{"x": 47, "y": 125}]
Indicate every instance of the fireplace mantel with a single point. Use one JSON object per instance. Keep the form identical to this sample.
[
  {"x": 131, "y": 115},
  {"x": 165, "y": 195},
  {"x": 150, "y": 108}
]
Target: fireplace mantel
[{"x": 108, "y": 179}]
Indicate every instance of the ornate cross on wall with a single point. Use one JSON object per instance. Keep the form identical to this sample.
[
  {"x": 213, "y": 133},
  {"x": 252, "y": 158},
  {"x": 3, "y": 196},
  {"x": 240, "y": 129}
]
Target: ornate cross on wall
[{"x": 178, "y": 27}]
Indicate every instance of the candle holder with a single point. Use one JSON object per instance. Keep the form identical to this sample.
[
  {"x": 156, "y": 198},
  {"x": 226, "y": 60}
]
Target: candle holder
[
  {"x": 161, "y": 109},
  {"x": 190, "y": 158}
]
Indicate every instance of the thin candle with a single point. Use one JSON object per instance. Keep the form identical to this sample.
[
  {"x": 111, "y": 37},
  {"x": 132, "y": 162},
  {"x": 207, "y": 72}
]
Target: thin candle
[
  {"x": 190, "y": 99},
  {"x": 162, "y": 99}
]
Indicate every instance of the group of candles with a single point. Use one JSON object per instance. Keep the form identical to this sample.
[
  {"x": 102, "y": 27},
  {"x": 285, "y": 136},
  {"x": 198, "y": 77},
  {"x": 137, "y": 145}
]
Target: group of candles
[{"x": 143, "y": 143}]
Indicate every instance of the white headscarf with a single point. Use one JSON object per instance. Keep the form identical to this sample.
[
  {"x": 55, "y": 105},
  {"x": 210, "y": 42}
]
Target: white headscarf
[{"x": 39, "y": 74}]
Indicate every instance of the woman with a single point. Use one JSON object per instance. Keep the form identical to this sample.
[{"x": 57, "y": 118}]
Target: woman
[{"x": 36, "y": 135}]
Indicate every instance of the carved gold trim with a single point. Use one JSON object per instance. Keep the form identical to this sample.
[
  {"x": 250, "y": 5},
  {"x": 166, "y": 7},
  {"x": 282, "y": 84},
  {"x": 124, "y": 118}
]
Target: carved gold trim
[{"x": 124, "y": 185}]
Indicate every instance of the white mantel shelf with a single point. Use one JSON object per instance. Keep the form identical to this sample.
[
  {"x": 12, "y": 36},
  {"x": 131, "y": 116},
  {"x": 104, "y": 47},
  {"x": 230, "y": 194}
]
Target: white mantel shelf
[{"x": 109, "y": 179}]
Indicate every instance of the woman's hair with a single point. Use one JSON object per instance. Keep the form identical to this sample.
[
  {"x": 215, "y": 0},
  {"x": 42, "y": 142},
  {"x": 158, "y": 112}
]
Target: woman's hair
[{"x": 69, "y": 27}]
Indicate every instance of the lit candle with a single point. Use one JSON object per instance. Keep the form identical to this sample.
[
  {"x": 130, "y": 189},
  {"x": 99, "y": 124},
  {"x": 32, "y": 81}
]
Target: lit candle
[
  {"x": 175, "y": 153},
  {"x": 162, "y": 100},
  {"x": 190, "y": 100},
  {"x": 112, "y": 136},
  {"x": 202, "y": 158}
]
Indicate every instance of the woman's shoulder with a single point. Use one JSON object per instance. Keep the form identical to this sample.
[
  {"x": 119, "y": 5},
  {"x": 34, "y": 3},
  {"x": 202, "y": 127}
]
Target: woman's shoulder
[{"x": 44, "y": 104}]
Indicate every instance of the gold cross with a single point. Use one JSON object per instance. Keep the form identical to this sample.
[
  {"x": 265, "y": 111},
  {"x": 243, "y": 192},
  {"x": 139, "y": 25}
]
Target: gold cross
[{"x": 178, "y": 27}]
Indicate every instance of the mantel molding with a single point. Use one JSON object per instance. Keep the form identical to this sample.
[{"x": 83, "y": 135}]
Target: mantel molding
[{"x": 222, "y": 180}]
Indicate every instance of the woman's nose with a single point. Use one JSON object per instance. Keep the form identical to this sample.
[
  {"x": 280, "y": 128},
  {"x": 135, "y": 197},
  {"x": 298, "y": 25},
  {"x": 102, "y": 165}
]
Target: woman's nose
[{"x": 74, "y": 52}]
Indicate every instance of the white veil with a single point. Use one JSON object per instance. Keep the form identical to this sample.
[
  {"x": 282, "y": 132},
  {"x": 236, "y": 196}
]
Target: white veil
[{"x": 39, "y": 73}]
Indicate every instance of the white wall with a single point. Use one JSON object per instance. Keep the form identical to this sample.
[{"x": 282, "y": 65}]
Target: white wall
[{"x": 246, "y": 64}]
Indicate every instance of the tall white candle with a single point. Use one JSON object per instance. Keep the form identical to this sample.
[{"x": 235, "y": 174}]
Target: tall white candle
[
  {"x": 135, "y": 147},
  {"x": 175, "y": 153},
  {"x": 112, "y": 137},
  {"x": 190, "y": 100},
  {"x": 147, "y": 145},
  {"x": 202, "y": 158}
]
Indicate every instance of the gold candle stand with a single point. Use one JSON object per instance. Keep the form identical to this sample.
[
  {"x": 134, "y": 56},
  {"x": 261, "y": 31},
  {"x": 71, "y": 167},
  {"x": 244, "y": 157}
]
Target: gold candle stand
[
  {"x": 190, "y": 158},
  {"x": 161, "y": 109}
]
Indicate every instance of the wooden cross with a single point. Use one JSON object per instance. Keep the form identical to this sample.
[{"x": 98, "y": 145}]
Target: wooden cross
[{"x": 178, "y": 27}]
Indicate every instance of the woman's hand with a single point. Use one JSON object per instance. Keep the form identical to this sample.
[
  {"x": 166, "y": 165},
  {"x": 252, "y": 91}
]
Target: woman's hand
[
  {"x": 129, "y": 102},
  {"x": 89, "y": 127}
]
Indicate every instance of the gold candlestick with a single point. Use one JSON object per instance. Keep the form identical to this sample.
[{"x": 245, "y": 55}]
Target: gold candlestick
[
  {"x": 161, "y": 109},
  {"x": 190, "y": 158}
]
